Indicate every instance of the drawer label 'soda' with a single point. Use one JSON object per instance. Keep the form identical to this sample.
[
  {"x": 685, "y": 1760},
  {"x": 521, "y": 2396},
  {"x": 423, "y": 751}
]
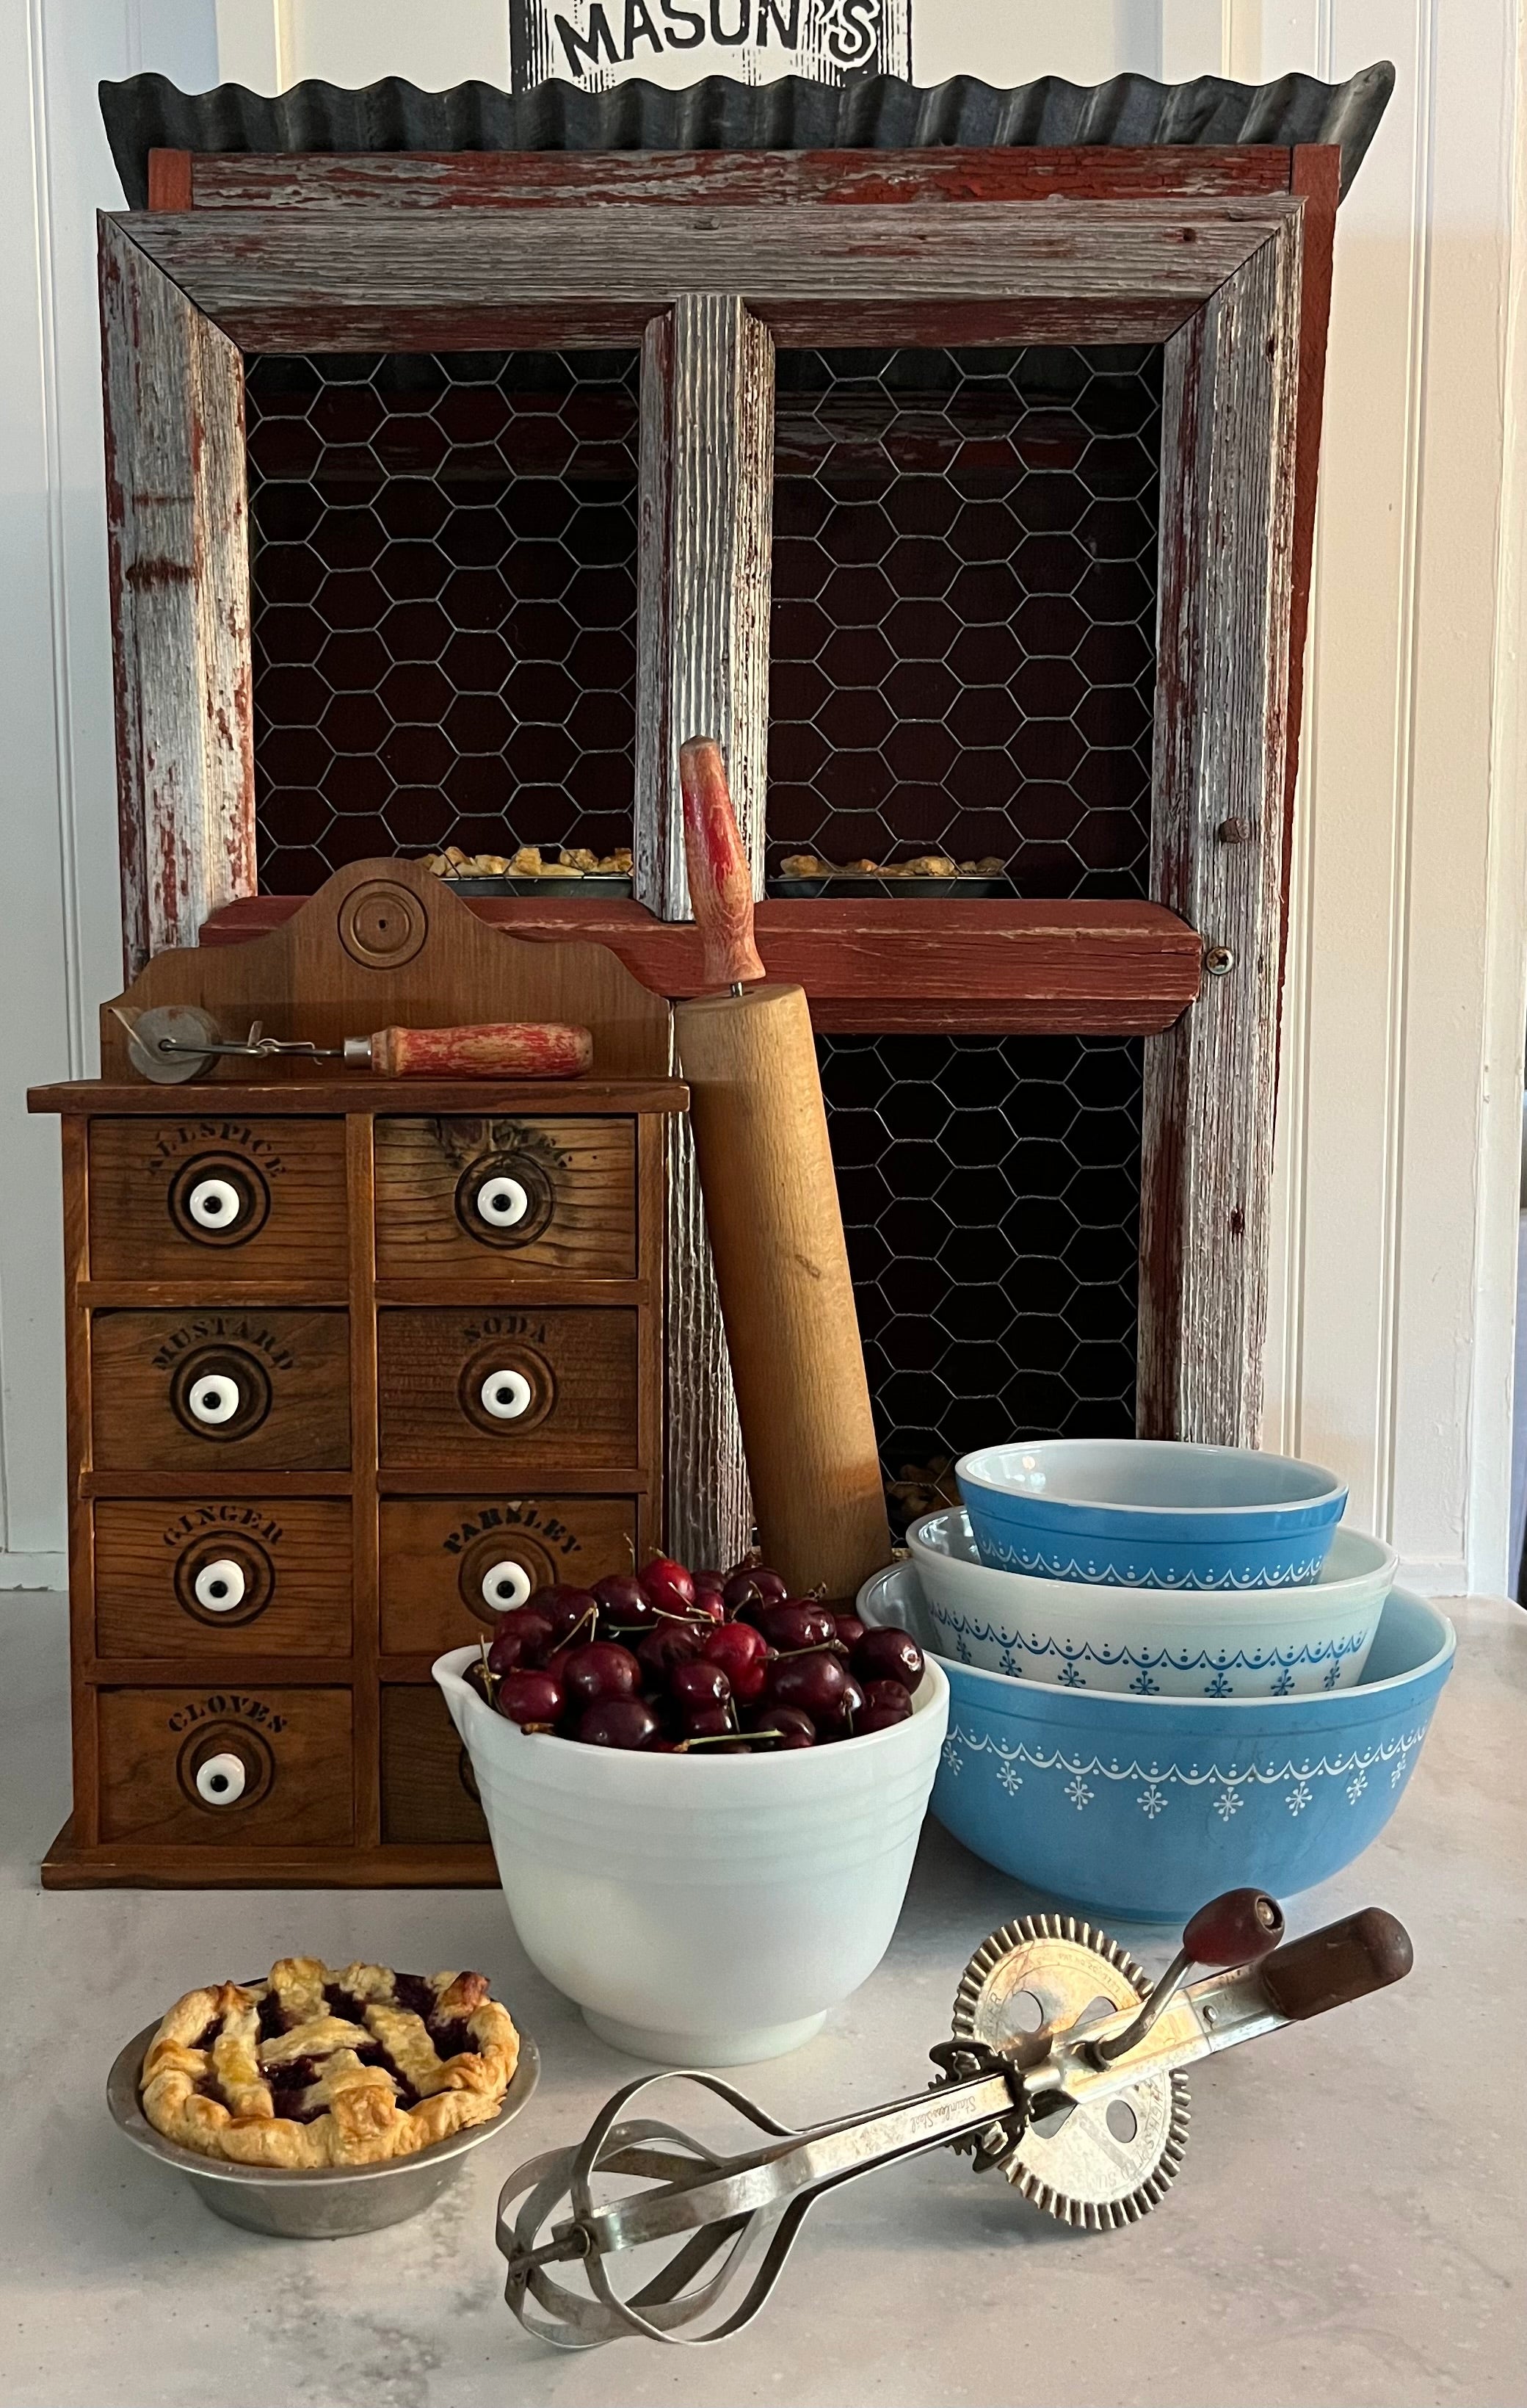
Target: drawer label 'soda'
[
  {"x": 172, "y": 1145},
  {"x": 513, "y": 1514},
  {"x": 223, "y": 1517},
  {"x": 219, "y": 1707},
  {"x": 234, "y": 1327}
]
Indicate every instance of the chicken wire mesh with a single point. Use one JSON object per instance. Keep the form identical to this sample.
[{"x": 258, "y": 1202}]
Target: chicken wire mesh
[
  {"x": 443, "y": 569},
  {"x": 963, "y": 645},
  {"x": 990, "y": 1189}
]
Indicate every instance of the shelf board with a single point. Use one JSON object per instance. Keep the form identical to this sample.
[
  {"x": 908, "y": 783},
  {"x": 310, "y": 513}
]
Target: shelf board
[{"x": 991, "y": 968}]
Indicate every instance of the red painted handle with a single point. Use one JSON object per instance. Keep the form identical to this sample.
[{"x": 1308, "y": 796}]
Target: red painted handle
[
  {"x": 720, "y": 877},
  {"x": 1234, "y": 1930},
  {"x": 531, "y": 1049},
  {"x": 1329, "y": 1969}
]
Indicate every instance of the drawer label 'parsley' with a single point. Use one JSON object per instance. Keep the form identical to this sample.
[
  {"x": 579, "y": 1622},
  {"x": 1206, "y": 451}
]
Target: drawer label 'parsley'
[{"x": 515, "y": 1513}]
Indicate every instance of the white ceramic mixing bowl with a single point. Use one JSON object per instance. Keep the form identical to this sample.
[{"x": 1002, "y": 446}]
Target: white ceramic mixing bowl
[
  {"x": 1260, "y": 1642},
  {"x": 703, "y": 1913}
]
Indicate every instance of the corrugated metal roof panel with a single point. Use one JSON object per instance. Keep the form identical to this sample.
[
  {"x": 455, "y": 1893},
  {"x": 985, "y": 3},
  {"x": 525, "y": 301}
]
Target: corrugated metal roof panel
[{"x": 873, "y": 113}]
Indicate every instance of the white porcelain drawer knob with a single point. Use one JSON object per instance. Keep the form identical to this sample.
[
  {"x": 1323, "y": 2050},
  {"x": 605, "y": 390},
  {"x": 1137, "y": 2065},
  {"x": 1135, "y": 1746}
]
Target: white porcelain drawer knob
[
  {"x": 215, "y": 1203},
  {"x": 505, "y": 1585},
  {"x": 220, "y": 1586},
  {"x": 502, "y": 1202},
  {"x": 220, "y": 1781},
  {"x": 505, "y": 1395},
  {"x": 215, "y": 1398}
]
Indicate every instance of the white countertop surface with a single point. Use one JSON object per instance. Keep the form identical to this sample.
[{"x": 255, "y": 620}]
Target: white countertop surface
[{"x": 1349, "y": 2226}]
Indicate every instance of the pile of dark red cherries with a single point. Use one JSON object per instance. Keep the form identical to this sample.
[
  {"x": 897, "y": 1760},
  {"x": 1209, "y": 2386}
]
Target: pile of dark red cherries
[{"x": 676, "y": 1662}]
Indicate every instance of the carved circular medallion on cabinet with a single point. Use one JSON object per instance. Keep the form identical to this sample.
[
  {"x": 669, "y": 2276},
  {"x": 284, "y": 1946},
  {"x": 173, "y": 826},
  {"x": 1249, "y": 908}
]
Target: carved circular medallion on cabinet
[
  {"x": 218, "y": 1199},
  {"x": 382, "y": 926},
  {"x": 220, "y": 1392},
  {"x": 224, "y": 1582},
  {"x": 506, "y": 1386},
  {"x": 504, "y": 1199},
  {"x": 224, "y": 1765}
]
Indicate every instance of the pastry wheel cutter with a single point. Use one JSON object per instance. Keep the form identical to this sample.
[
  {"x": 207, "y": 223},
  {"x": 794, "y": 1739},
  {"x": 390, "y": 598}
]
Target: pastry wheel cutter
[
  {"x": 1065, "y": 2073},
  {"x": 172, "y": 1042}
]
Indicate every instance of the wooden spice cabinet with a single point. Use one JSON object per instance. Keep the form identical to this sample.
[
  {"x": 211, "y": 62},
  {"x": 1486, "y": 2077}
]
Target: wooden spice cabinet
[{"x": 326, "y": 1419}]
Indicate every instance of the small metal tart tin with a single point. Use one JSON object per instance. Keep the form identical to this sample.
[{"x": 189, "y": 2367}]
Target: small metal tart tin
[{"x": 324, "y": 2203}]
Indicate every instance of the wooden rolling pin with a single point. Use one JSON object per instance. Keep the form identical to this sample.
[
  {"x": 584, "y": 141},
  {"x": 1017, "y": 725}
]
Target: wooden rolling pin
[{"x": 776, "y": 1229}]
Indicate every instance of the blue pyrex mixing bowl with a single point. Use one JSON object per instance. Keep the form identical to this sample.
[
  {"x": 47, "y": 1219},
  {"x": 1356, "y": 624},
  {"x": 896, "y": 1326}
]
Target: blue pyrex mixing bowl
[
  {"x": 1150, "y": 1513},
  {"x": 1144, "y": 1807}
]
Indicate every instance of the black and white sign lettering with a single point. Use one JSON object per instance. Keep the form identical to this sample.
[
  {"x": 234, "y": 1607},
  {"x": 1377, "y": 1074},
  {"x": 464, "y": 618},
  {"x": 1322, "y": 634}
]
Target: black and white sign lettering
[{"x": 598, "y": 43}]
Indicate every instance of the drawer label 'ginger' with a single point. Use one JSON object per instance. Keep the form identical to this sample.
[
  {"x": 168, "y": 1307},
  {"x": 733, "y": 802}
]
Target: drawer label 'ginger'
[
  {"x": 252, "y": 1518},
  {"x": 218, "y": 1707}
]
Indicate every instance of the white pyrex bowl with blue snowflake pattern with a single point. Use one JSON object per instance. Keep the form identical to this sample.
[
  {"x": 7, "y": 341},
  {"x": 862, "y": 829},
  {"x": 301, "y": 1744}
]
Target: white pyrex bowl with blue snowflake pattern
[
  {"x": 1154, "y": 1643},
  {"x": 1140, "y": 1808},
  {"x": 1150, "y": 1513}
]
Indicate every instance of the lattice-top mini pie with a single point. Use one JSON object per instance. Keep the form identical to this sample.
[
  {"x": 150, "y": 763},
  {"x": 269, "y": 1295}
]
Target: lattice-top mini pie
[{"x": 315, "y": 2068}]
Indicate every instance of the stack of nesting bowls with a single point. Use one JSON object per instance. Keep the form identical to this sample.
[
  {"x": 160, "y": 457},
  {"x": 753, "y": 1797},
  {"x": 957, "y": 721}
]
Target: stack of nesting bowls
[{"x": 1170, "y": 1672}]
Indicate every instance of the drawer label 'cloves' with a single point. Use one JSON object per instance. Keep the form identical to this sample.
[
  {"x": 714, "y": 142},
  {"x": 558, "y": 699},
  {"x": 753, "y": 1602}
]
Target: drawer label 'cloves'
[
  {"x": 226, "y": 1325},
  {"x": 218, "y": 1517},
  {"x": 513, "y": 1516},
  {"x": 217, "y": 1706},
  {"x": 171, "y": 1145}
]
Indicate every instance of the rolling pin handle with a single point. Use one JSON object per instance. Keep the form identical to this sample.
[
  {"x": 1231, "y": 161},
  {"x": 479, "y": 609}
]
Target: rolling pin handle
[{"x": 719, "y": 873}]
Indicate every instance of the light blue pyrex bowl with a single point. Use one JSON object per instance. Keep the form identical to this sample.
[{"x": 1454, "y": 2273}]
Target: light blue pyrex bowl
[
  {"x": 1150, "y": 1513},
  {"x": 1144, "y": 1807}
]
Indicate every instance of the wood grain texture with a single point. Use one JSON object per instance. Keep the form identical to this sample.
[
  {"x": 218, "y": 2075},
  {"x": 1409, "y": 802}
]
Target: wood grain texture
[
  {"x": 177, "y": 522},
  {"x": 532, "y": 1050},
  {"x": 143, "y": 1171},
  {"x": 1316, "y": 178},
  {"x": 82, "y": 1099},
  {"x": 703, "y": 569},
  {"x": 579, "y": 1175},
  {"x": 719, "y": 871},
  {"x": 1091, "y": 969},
  {"x": 365, "y": 1538},
  {"x": 557, "y": 179},
  {"x": 126, "y": 1864},
  {"x": 1228, "y": 449},
  {"x": 137, "y": 1358},
  {"x": 438, "y": 1551},
  {"x": 782, "y": 1270},
  {"x": 144, "y": 1733},
  {"x": 994, "y": 272},
  {"x": 382, "y": 943},
  {"x": 428, "y": 1793},
  {"x": 143, "y": 1553},
  {"x": 582, "y": 1367},
  {"x": 77, "y": 1414}
]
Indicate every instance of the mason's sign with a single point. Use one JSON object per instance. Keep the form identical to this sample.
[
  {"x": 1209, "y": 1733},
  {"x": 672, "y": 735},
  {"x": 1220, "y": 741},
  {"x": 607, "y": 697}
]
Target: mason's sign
[{"x": 598, "y": 43}]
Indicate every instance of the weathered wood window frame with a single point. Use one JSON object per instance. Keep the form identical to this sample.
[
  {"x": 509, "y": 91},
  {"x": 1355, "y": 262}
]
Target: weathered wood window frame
[{"x": 1223, "y": 258}]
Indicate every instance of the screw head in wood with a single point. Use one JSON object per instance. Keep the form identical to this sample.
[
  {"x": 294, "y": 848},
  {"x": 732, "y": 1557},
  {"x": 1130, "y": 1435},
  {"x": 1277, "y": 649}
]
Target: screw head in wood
[{"x": 1218, "y": 961}]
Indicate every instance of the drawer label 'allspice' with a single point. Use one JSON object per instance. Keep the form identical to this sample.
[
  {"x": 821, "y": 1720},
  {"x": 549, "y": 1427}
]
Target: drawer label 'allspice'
[
  {"x": 171, "y": 1145},
  {"x": 218, "y": 1707}
]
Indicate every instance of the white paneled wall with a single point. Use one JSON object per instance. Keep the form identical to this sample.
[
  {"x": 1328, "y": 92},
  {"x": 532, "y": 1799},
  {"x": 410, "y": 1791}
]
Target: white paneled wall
[{"x": 1390, "y": 1352}]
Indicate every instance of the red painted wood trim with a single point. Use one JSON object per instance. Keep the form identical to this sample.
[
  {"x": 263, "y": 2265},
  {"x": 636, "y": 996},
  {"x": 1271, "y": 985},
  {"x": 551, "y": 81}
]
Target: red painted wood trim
[
  {"x": 1119, "y": 968},
  {"x": 551, "y": 179},
  {"x": 171, "y": 178},
  {"x": 1316, "y": 175}
]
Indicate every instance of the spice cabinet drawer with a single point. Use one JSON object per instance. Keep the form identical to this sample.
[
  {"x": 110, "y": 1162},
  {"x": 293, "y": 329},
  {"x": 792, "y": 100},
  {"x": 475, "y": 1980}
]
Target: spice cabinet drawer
[
  {"x": 451, "y": 1565},
  {"x": 505, "y": 1201},
  {"x": 501, "y": 1391},
  {"x": 225, "y": 1767},
  {"x": 226, "y": 1387},
  {"x": 216, "y": 1197},
  {"x": 428, "y": 1792},
  {"x": 209, "y": 1577}
]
